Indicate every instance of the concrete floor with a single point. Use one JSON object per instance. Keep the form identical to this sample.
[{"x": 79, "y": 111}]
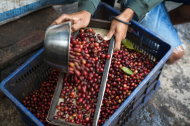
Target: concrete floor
[{"x": 170, "y": 106}]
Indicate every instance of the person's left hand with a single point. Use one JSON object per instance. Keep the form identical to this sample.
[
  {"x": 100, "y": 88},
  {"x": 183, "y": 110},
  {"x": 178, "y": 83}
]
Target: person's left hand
[
  {"x": 118, "y": 29},
  {"x": 79, "y": 19}
]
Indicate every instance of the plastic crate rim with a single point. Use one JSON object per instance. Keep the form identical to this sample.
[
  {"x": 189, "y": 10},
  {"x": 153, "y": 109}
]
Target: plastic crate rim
[
  {"x": 136, "y": 23},
  {"x": 14, "y": 99},
  {"x": 137, "y": 89},
  {"x": 123, "y": 105}
]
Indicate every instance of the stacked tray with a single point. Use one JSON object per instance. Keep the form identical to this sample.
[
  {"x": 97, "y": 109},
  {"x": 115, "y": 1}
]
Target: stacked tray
[{"x": 95, "y": 23}]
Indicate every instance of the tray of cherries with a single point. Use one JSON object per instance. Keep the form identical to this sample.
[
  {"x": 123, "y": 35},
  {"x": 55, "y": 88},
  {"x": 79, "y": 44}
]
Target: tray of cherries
[
  {"x": 78, "y": 97},
  {"x": 97, "y": 83}
]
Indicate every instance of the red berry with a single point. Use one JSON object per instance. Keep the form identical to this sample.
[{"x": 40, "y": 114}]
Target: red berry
[{"x": 108, "y": 56}]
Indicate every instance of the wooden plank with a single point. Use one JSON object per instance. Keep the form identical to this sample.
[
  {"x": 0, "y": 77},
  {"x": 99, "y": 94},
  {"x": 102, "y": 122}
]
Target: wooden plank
[{"x": 22, "y": 36}]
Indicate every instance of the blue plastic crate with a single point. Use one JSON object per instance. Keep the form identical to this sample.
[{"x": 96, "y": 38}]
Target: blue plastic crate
[
  {"x": 25, "y": 9},
  {"x": 27, "y": 77}
]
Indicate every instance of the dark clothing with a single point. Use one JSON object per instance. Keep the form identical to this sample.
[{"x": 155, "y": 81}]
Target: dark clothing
[
  {"x": 140, "y": 7},
  {"x": 187, "y": 2}
]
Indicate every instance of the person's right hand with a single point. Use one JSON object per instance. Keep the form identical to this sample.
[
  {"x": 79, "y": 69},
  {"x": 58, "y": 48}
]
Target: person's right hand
[{"x": 79, "y": 19}]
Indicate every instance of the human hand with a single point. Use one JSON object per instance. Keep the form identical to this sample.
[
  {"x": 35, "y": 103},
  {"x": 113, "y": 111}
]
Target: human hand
[
  {"x": 79, "y": 19},
  {"x": 119, "y": 29}
]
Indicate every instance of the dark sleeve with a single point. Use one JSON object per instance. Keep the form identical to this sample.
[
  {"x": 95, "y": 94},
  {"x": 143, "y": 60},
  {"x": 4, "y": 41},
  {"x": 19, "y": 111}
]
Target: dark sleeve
[
  {"x": 88, "y": 5},
  {"x": 141, "y": 7}
]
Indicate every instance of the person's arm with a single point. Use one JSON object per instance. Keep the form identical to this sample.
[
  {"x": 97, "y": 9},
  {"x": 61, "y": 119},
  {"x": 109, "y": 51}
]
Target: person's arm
[
  {"x": 119, "y": 29},
  {"x": 138, "y": 7},
  {"x": 81, "y": 18},
  {"x": 141, "y": 7},
  {"x": 88, "y": 5}
]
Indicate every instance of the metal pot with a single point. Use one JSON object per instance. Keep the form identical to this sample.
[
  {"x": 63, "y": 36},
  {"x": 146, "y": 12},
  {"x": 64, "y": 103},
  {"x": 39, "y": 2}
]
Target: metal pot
[{"x": 57, "y": 45}]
